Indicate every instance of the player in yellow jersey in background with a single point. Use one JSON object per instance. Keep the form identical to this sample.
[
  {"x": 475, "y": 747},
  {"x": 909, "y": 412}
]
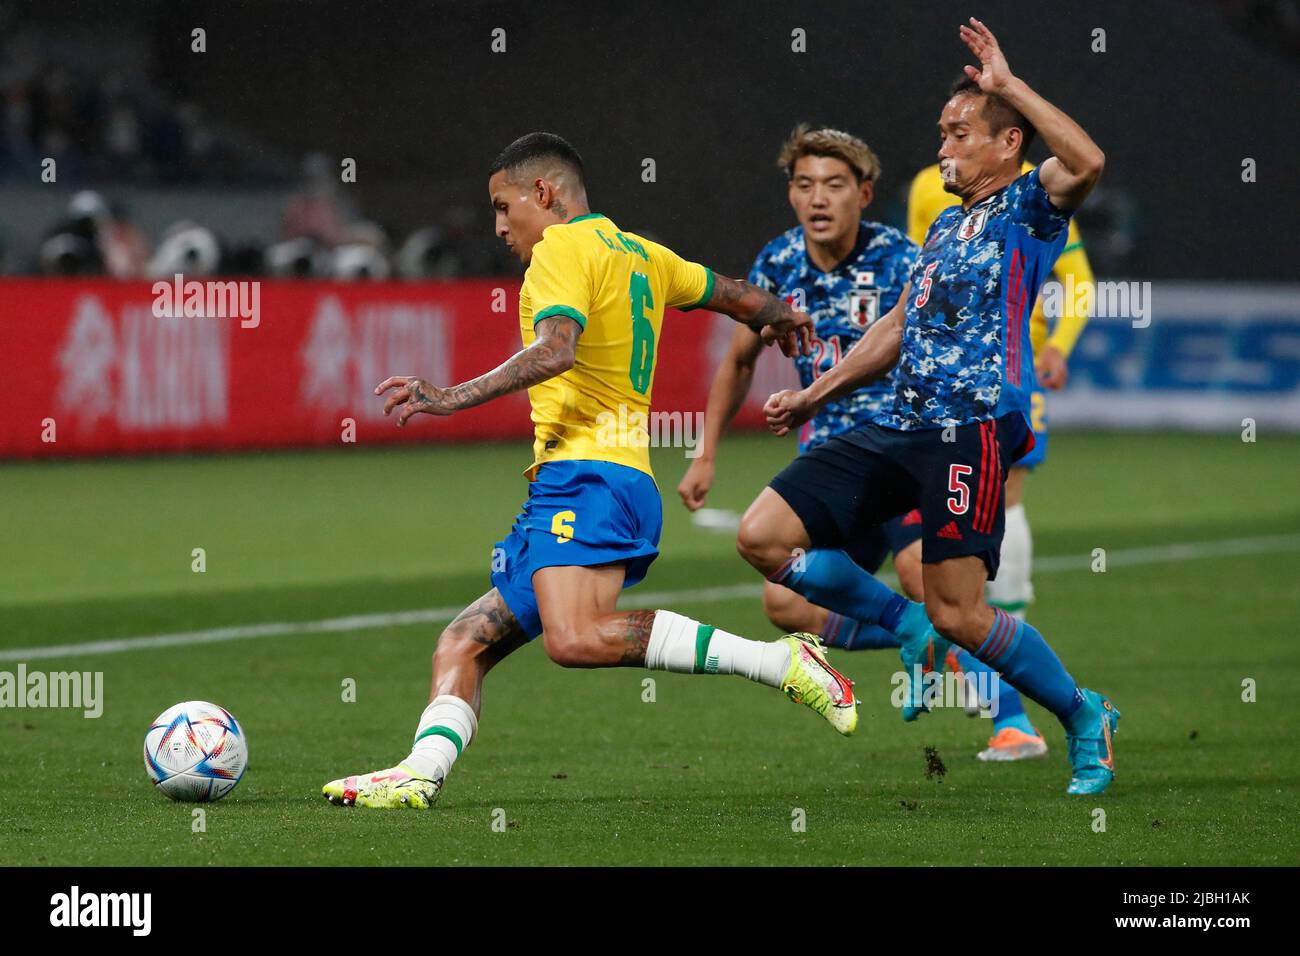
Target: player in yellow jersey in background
[
  {"x": 590, "y": 312},
  {"x": 1013, "y": 591}
]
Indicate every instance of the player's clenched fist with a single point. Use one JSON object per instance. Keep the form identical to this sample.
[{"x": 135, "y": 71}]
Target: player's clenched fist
[
  {"x": 786, "y": 410},
  {"x": 414, "y": 395}
]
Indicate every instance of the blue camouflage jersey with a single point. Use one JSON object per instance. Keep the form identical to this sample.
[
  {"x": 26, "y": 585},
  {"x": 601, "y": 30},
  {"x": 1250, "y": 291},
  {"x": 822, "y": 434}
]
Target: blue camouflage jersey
[
  {"x": 966, "y": 355},
  {"x": 843, "y": 304}
]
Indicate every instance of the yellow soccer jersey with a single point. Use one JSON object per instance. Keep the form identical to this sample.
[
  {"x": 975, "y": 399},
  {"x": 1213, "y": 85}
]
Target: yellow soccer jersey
[
  {"x": 927, "y": 198},
  {"x": 616, "y": 285}
]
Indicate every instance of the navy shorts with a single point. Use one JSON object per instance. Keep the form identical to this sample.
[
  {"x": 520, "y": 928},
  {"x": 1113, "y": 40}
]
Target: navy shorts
[
  {"x": 869, "y": 549},
  {"x": 846, "y": 489},
  {"x": 902, "y": 530}
]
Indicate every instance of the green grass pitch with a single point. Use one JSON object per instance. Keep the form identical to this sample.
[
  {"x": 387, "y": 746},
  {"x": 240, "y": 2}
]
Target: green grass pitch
[{"x": 583, "y": 770}]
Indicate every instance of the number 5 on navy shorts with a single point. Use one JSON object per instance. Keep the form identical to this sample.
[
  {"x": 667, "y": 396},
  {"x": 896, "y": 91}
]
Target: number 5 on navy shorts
[
  {"x": 961, "y": 483},
  {"x": 578, "y": 513}
]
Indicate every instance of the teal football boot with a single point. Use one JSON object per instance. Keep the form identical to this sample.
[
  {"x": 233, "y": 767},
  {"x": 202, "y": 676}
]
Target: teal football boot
[
  {"x": 922, "y": 651},
  {"x": 1092, "y": 754}
]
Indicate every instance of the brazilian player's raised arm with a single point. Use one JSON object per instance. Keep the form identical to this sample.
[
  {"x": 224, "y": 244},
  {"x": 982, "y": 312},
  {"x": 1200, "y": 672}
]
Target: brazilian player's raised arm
[
  {"x": 873, "y": 356},
  {"x": 1076, "y": 162},
  {"x": 554, "y": 302},
  {"x": 551, "y": 353},
  {"x": 692, "y": 286},
  {"x": 763, "y": 312}
]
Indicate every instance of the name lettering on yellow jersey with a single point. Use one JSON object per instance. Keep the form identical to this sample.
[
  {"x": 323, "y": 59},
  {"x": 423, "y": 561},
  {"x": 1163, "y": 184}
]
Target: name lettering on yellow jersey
[{"x": 625, "y": 245}]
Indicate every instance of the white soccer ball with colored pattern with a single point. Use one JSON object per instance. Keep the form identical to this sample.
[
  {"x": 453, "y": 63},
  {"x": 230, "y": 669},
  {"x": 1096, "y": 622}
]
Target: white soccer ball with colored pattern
[{"x": 195, "y": 752}]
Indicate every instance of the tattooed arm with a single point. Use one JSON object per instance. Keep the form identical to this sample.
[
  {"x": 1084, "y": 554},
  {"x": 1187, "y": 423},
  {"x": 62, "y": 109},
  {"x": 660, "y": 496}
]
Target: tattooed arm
[
  {"x": 551, "y": 354},
  {"x": 760, "y": 310}
]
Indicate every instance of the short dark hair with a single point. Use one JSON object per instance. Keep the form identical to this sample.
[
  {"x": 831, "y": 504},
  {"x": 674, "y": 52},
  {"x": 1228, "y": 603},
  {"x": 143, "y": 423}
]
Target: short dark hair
[
  {"x": 999, "y": 113},
  {"x": 534, "y": 146}
]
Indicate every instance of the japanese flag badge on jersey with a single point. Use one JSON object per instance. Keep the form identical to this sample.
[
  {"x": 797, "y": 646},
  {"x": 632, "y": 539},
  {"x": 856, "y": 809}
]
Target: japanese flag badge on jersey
[
  {"x": 864, "y": 301},
  {"x": 973, "y": 224}
]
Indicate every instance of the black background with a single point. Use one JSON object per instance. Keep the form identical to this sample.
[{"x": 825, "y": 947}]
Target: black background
[{"x": 413, "y": 92}]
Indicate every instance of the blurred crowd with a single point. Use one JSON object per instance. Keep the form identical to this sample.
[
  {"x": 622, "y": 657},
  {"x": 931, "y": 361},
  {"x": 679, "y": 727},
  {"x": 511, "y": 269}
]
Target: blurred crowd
[
  {"x": 109, "y": 129},
  {"x": 103, "y": 125}
]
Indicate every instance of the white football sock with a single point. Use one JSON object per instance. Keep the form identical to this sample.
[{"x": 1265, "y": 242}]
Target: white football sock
[
  {"x": 684, "y": 646},
  {"x": 446, "y": 727},
  {"x": 1013, "y": 590}
]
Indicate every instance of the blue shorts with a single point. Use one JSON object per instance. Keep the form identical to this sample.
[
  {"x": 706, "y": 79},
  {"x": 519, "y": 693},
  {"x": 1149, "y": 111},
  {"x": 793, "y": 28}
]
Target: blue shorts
[
  {"x": 578, "y": 513},
  {"x": 1038, "y": 424}
]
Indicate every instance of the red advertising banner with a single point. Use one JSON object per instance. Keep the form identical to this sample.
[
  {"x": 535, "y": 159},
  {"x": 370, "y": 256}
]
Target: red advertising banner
[{"x": 100, "y": 367}]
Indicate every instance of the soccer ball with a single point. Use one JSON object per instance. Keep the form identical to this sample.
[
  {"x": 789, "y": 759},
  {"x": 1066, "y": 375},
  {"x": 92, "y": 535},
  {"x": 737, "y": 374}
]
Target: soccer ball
[{"x": 195, "y": 752}]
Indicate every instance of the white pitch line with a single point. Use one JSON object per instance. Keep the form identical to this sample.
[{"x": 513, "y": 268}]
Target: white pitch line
[
  {"x": 1158, "y": 554},
  {"x": 1165, "y": 553}
]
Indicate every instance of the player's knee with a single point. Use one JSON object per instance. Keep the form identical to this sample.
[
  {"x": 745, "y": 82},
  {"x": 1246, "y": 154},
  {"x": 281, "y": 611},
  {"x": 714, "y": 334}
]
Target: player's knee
[
  {"x": 755, "y": 544},
  {"x": 566, "y": 646}
]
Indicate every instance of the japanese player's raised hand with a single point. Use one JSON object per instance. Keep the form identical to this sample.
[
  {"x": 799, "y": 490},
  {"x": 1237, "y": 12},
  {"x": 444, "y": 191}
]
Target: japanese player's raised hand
[
  {"x": 414, "y": 395},
  {"x": 993, "y": 73}
]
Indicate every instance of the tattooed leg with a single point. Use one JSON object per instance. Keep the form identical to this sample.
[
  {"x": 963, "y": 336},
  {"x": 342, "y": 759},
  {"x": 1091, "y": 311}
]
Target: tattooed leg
[
  {"x": 583, "y": 629},
  {"x": 632, "y": 630},
  {"x": 480, "y": 637},
  {"x": 483, "y": 634},
  {"x": 581, "y": 626}
]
